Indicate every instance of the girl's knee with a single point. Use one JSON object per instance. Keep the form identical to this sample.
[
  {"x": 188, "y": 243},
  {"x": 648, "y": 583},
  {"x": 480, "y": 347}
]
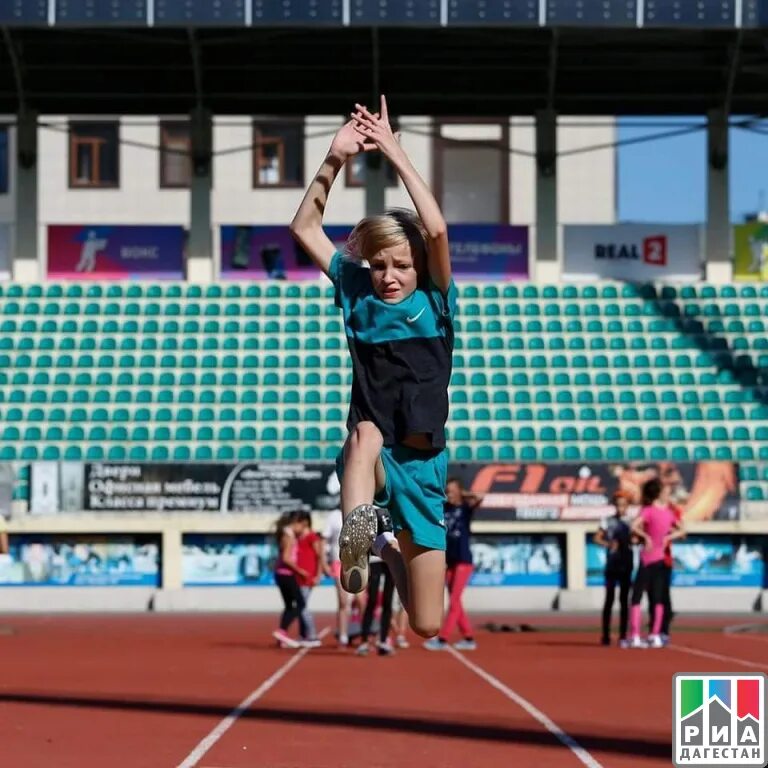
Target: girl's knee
[
  {"x": 425, "y": 627},
  {"x": 367, "y": 437}
]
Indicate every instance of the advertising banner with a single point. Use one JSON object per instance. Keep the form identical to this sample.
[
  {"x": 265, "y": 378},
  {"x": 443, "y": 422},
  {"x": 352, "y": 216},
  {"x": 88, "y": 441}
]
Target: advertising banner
[
  {"x": 122, "y": 252},
  {"x": 81, "y": 561},
  {"x": 268, "y": 487},
  {"x": 525, "y": 561},
  {"x": 750, "y": 251},
  {"x": 238, "y": 560},
  {"x": 704, "y": 491},
  {"x": 262, "y": 252},
  {"x": 477, "y": 251},
  {"x": 700, "y": 561},
  {"x": 633, "y": 252},
  {"x": 248, "y": 560},
  {"x": 5, "y": 252}
]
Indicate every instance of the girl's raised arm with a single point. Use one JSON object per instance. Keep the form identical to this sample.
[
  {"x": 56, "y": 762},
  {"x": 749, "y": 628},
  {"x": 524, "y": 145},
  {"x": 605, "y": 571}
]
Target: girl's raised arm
[
  {"x": 377, "y": 129},
  {"x": 307, "y": 224}
]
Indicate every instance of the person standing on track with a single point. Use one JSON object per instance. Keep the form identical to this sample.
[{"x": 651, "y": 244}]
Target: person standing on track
[
  {"x": 344, "y": 600},
  {"x": 399, "y": 623},
  {"x": 287, "y": 569},
  {"x": 310, "y": 559},
  {"x": 4, "y": 548},
  {"x": 398, "y": 317},
  {"x": 459, "y": 508},
  {"x": 378, "y": 572},
  {"x": 615, "y": 535},
  {"x": 669, "y": 563},
  {"x": 657, "y": 526}
]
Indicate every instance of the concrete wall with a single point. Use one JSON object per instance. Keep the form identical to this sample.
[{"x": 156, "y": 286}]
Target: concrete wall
[
  {"x": 140, "y": 200},
  {"x": 576, "y": 596}
]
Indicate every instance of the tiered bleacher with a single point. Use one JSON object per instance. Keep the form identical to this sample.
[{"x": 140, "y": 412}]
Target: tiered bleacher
[{"x": 232, "y": 372}]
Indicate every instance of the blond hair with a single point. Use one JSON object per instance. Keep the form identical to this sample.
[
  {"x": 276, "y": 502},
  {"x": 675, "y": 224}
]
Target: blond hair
[{"x": 395, "y": 227}]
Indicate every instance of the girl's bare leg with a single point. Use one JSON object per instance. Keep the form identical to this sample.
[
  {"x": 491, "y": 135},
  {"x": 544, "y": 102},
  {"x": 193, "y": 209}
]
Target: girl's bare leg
[
  {"x": 363, "y": 470},
  {"x": 425, "y": 570},
  {"x": 363, "y": 476}
]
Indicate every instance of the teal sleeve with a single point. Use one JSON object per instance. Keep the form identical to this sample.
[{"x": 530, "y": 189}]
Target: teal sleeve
[
  {"x": 448, "y": 301},
  {"x": 336, "y": 273},
  {"x": 348, "y": 277}
]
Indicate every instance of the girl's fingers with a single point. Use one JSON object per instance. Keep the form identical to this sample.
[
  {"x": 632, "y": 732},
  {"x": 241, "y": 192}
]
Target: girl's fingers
[
  {"x": 364, "y": 110},
  {"x": 384, "y": 110},
  {"x": 363, "y": 120},
  {"x": 366, "y": 130}
]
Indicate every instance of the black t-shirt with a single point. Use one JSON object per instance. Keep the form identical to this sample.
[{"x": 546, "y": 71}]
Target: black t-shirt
[
  {"x": 617, "y": 530},
  {"x": 401, "y": 355},
  {"x": 457, "y": 521}
]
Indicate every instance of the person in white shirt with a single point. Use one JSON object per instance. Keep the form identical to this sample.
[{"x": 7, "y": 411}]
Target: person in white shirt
[{"x": 345, "y": 600}]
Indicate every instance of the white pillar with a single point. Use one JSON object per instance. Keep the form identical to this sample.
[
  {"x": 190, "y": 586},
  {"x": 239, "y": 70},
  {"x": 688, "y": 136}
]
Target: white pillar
[
  {"x": 199, "y": 245},
  {"x": 26, "y": 264},
  {"x": 171, "y": 559},
  {"x": 718, "y": 258},
  {"x": 546, "y": 196},
  {"x": 375, "y": 184},
  {"x": 575, "y": 558}
]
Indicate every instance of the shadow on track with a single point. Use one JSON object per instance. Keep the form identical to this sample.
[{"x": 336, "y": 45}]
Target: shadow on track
[{"x": 452, "y": 729}]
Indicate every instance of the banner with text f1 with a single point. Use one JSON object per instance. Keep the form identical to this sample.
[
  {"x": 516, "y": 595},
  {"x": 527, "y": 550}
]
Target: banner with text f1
[{"x": 704, "y": 491}]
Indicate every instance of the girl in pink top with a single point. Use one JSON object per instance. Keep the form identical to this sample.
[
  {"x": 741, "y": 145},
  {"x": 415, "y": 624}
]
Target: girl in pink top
[
  {"x": 287, "y": 569},
  {"x": 657, "y": 526}
]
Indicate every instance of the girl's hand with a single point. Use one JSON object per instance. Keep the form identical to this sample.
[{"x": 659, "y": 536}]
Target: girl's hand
[
  {"x": 376, "y": 128},
  {"x": 348, "y": 142}
]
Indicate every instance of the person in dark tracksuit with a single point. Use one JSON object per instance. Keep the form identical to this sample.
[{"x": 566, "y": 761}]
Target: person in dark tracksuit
[
  {"x": 615, "y": 535},
  {"x": 378, "y": 572}
]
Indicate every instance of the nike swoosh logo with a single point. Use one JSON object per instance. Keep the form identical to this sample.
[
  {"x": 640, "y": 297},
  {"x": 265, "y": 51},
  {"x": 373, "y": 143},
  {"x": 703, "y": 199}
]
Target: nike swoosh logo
[{"x": 414, "y": 319}]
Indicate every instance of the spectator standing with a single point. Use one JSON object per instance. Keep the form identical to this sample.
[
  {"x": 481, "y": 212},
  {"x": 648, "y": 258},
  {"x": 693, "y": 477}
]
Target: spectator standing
[
  {"x": 310, "y": 560},
  {"x": 459, "y": 509},
  {"x": 615, "y": 536}
]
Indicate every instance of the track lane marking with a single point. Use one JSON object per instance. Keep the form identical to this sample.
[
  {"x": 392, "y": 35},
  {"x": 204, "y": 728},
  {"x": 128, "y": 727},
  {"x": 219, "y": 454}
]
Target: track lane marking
[
  {"x": 580, "y": 753},
  {"x": 716, "y": 656},
  {"x": 205, "y": 745}
]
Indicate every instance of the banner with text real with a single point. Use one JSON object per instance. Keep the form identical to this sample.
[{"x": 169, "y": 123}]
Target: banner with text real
[{"x": 634, "y": 252}]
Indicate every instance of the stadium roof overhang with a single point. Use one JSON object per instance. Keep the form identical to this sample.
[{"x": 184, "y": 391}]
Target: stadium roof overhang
[{"x": 437, "y": 71}]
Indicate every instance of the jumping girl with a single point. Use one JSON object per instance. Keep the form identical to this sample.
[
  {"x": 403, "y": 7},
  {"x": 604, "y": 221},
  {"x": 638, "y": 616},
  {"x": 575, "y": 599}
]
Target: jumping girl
[{"x": 398, "y": 317}]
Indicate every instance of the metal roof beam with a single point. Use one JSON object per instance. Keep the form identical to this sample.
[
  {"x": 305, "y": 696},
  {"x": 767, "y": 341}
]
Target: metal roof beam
[{"x": 16, "y": 67}]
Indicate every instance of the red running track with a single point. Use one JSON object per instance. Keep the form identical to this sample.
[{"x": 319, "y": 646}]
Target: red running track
[{"x": 148, "y": 690}]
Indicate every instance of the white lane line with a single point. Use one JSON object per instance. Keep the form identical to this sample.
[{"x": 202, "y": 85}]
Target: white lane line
[
  {"x": 205, "y": 745},
  {"x": 535, "y": 713},
  {"x": 746, "y": 636},
  {"x": 747, "y": 632},
  {"x": 717, "y": 656}
]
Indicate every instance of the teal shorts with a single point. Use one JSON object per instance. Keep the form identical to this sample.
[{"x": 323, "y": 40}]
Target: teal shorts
[{"x": 414, "y": 492}]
